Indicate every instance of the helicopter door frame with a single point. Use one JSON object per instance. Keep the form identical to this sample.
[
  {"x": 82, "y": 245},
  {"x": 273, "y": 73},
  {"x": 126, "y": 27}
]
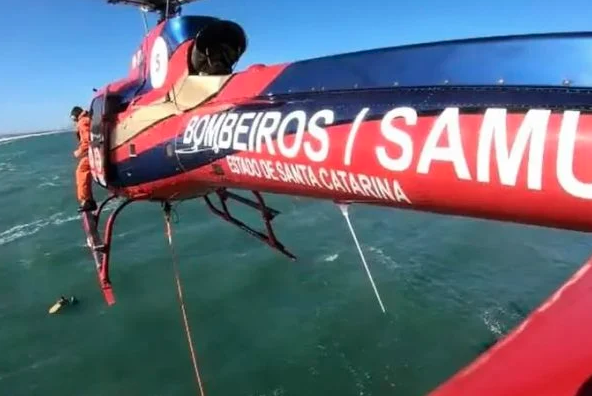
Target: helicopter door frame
[{"x": 99, "y": 140}]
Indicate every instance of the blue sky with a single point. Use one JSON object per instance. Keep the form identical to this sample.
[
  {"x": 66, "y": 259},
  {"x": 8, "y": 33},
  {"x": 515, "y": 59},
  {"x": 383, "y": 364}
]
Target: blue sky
[{"x": 55, "y": 52}]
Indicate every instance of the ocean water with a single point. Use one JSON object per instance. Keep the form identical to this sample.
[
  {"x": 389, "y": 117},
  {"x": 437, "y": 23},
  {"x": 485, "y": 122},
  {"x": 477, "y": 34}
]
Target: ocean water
[{"x": 262, "y": 325}]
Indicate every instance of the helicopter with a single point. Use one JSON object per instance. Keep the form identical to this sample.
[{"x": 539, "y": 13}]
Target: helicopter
[{"x": 483, "y": 127}]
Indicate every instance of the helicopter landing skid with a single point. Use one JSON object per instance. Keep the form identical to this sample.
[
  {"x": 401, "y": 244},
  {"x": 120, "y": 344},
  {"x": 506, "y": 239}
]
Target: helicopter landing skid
[
  {"x": 267, "y": 213},
  {"x": 101, "y": 248}
]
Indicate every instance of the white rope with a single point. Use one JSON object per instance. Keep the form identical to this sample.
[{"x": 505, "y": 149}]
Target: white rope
[{"x": 345, "y": 213}]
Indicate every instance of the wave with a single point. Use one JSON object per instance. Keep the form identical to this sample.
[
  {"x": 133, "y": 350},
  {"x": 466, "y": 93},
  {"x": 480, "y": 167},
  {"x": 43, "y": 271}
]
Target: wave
[
  {"x": 28, "y": 229},
  {"x": 9, "y": 139},
  {"x": 494, "y": 325},
  {"x": 6, "y": 167},
  {"x": 383, "y": 258},
  {"x": 38, "y": 364},
  {"x": 52, "y": 181}
]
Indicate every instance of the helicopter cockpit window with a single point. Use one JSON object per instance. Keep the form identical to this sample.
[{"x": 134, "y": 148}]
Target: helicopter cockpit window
[{"x": 217, "y": 48}]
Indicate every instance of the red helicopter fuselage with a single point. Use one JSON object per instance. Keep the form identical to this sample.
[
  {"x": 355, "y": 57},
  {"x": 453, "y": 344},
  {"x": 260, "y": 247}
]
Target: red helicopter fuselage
[
  {"x": 503, "y": 152},
  {"x": 478, "y": 127}
]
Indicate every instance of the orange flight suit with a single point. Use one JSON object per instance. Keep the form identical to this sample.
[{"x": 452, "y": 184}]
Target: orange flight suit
[{"x": 83, "y": 175}]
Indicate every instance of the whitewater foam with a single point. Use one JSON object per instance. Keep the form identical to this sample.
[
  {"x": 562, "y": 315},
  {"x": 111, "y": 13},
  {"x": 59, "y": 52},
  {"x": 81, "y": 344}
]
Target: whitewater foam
[
  {"x": 6, "y": 167},
  {"x": 24, "y": 230},
  {"x": 383, "y": 258},
  {"x": 28, "y": 135},
  {"x": 493, "y": 324}
]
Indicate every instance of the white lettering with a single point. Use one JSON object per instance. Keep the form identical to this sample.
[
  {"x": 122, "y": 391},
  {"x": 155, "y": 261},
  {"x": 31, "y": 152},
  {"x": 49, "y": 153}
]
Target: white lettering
[
  {"x": 399, "y": 193},
  {"x": 232, "y": 164},
  {"x": 502, "y": 144},
  {"x": 225, "y": 134},
  {"x": 319, "y": 134},
  {"x": 240, "y": 130},
  {"x": 189, "y": 134},
  {"x": 533, "y": 127},
  {"x": 449, "y": 122},
  {"x": 565, "y": 157},
  {"x": 355, "y": 184},
  {"x": 323, "y": 176},
  {"x": 266, "y": 131},
  {"x": 397, "y": 136},
  {"x": 300, "y": 117},
  {"x": 252, "y": 135},
  {"x": 351, "y": 137},
  {"x": 209, "y": 134},
  {"x": 252, "y": 131}
]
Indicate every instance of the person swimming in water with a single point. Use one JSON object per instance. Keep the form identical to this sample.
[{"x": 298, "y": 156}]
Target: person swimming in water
[{"x": 62, "y": 302}]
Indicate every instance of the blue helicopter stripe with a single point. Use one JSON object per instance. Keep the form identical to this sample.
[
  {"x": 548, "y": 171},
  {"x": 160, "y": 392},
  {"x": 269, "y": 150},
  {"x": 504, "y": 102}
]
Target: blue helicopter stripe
[
  {"x": 154, "y": 164},
  {"x": 182, "y": 28},
  {"x": 535, "y": 60}
]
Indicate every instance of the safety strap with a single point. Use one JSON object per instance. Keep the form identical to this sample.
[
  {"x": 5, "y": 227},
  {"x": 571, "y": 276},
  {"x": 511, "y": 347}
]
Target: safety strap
[{"x": 169, "y": 233}]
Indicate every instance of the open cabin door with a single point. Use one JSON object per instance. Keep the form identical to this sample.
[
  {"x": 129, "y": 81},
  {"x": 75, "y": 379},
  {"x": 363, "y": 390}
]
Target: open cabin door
[
  {"x": 96, "y": 149},
  {"x": 103, "y": 113}
]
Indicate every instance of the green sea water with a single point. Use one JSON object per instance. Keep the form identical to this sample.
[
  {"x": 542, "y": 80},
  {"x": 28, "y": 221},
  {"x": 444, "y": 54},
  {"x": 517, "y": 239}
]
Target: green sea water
[{"x": 262, "y": 325}]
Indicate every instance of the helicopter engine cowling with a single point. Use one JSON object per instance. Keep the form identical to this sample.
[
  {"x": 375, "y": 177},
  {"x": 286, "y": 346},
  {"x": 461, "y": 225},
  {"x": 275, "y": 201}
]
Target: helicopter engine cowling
[{"x": 216, "y": 48}]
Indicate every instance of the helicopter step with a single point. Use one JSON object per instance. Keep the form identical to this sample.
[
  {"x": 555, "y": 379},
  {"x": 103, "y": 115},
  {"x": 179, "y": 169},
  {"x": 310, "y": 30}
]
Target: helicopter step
[
  {"x": 93, "y": 237},
  {"x": 267, "y": 213}
]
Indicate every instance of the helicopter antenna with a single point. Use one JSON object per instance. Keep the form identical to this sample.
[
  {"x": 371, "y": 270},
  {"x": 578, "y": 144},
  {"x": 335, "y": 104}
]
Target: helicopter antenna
[
  {"x": 169, "y": 10},
  {"x": 143, "y": 11}
]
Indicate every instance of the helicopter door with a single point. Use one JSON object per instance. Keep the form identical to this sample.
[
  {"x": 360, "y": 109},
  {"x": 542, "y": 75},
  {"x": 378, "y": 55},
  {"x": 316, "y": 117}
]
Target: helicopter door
[{"x": 99, "y": 142}]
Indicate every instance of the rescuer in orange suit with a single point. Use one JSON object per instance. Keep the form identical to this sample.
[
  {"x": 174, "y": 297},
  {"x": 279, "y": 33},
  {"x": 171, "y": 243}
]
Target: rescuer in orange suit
[{"x": 84, "y": 192}]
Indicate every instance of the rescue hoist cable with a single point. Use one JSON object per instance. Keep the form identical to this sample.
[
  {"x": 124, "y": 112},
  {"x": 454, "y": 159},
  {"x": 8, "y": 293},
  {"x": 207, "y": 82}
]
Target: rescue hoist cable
[
  {"x": 344, "y": 211},
  {"x": 169, "y": 234}
]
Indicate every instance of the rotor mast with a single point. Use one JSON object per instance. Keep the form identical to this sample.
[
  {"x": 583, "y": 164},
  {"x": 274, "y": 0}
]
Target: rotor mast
[
  {"x": 168, "y": 10},
  {"x": 164, "y": 8}
]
